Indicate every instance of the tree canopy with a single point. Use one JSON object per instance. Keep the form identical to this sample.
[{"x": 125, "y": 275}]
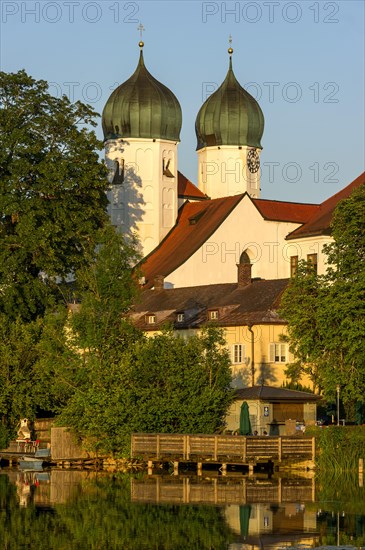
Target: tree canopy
[
  {"x": 326, "y": 314},
  {"x": 52, "y": 192},
  {"x": 52, "y": 208},
  {"x": 163, "y": 383}
]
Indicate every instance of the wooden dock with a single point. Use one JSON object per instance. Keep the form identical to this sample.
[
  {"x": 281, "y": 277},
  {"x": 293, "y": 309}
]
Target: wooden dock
[
  {"x": 220, "y": 490},
  {"x": 223, "y": 449}
]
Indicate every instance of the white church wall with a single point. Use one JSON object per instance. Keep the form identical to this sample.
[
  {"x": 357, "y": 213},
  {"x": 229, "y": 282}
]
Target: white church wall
[
  {"x": 144, "y": 201},
  {"x": 244, "y": 229},
  {"x": 223, "y": 172}
]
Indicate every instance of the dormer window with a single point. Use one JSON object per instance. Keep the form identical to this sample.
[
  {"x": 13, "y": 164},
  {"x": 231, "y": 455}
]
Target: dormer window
[
  {"x": 150, "y": 319},
  {"x": 180, "y": 317},
  {"x": 193, "y": 220},
  {"x": 213, "y": 315}
]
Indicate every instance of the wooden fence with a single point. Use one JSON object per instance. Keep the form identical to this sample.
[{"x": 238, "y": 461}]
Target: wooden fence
[
  {"x": 187, "y": 490},
  {"x": 221, "y": 448}
]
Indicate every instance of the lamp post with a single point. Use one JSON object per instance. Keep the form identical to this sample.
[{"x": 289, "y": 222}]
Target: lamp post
[{"x": 338, "y": 404}]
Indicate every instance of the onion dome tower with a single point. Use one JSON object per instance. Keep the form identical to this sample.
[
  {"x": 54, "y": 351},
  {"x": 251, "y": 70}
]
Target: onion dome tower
[
  {"x": 229, "y": 127},
  {"x": 141, "y": 123}
]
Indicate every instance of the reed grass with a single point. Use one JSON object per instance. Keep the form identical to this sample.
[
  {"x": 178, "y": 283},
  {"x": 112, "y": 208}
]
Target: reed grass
[{"x": 339, "y": 448}]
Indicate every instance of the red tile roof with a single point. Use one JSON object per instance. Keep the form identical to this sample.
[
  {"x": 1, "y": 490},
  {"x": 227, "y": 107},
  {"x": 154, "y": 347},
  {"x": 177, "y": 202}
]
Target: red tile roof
[
  {"x": 320, "y": 222},
  {"x": 295, "y": 212},
  {"x": 196, "y": 222},
  {"x": 186, "y": 189}
]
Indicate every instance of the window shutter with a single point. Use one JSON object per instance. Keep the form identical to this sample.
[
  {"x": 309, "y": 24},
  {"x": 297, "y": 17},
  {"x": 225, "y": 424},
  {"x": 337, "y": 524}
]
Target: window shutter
[{"x": 283, "y": 354}]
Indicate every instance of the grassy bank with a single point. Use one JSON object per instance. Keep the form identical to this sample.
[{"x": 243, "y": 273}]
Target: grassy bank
[{"x": 339, "y": 447}]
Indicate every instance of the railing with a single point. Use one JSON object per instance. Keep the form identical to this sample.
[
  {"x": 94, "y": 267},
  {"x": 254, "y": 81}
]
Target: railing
[
  {"x": 26, "y": 445},
  {"x": 220, "y": 490},
  {"x": 218, "y": 448}
]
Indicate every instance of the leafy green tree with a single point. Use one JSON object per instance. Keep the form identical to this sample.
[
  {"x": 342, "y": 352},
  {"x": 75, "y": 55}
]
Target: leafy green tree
[
  {"x": 52, "y": 205},
  {"x": 326, "y": 314},
  {"x": 106, "y": 287},
  {"x": 52, "y": 193},
  {"x": 162, "y": 384},
  {"x": 91, "y": 335},
  {"x": 180, "y": 385}
]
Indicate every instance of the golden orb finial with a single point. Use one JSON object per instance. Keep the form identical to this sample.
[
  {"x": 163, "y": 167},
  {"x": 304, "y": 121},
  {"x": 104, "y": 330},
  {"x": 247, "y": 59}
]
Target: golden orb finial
[
  {"x": 141, "y": 44},
  {"x": 230, "y": 51}
]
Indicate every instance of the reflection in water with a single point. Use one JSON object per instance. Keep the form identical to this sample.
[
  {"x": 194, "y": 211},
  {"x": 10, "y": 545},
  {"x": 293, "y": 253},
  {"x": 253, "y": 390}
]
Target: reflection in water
[{"x": 82, "y": 509}]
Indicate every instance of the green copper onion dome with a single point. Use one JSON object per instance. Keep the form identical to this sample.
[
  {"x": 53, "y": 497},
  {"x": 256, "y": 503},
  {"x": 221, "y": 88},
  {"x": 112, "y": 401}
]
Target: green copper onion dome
[
  {"x": 142, "y": 107},
  {"x": 230, "y": 116}
]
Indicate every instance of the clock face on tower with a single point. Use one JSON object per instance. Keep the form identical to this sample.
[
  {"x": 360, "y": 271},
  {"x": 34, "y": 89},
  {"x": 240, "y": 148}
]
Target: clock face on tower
[{"x": 253, "y": 161}]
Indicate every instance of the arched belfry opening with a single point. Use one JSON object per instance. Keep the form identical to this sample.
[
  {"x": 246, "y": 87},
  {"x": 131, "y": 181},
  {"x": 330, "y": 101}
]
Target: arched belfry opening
[{"x": 244, "y": 270}]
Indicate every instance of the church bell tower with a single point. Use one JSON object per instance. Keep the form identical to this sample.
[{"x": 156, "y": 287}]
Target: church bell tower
[{"x": 141, "y": 123}]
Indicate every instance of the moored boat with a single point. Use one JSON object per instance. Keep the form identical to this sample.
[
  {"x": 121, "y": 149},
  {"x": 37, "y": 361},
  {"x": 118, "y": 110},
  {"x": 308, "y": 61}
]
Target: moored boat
[{"x": 30, "y": 463}]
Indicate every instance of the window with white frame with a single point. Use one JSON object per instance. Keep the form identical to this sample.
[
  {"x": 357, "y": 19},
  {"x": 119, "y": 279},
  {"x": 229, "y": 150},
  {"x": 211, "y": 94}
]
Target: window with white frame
[
  {"x": 238, "y": 354},
  {"x": 180, "y": 317},
  {"x": 150, "y": 319},
  {"x": 213, "y": 314},
  {"x": 278, "y": 353}
]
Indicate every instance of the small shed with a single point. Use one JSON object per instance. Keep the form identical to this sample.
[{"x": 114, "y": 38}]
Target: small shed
[{"x": 276, "y": 411}]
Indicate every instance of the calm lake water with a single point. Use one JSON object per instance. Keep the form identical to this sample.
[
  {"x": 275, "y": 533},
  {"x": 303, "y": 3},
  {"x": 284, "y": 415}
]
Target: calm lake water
[{"x": 68, "y": 509}]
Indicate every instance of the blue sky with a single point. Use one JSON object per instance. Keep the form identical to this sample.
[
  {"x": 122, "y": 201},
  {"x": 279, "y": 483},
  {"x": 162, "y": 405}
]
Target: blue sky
[{"x": 303, "y": 61}]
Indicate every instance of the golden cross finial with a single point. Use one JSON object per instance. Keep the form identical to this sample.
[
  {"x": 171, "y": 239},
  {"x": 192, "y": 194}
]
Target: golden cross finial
[
  {"x": 140, "y": 28},
  {"x": 230, "y": 49}
]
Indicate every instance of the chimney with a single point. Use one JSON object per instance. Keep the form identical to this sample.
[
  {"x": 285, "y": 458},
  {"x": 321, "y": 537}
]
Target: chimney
[
  {"x": 243, "y": 274},
  {"x": 158, "y": 282}
]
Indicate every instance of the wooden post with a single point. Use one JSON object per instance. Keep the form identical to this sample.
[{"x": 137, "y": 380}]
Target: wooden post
[
  {"x": 224, "y": 469},
  {"x": 158, "y": 446},
  {"x": 250, "y": 469},
  {"x": 313, "y": 448},
  {"x": 361, "y": 472},
  {"x": 279, "y": 450},
  {"x": 244, "y": 449},
  {"x": 280, "y": 498},
  {"x": 216, "y": 447},
  {"x": 150, "y": 467},
  {"x": 200, "y": 468},
  {"x": 176, "y": 468}
]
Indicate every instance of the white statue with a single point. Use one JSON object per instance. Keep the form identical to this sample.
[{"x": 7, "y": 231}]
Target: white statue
[{"x": 24, "y": 430}]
